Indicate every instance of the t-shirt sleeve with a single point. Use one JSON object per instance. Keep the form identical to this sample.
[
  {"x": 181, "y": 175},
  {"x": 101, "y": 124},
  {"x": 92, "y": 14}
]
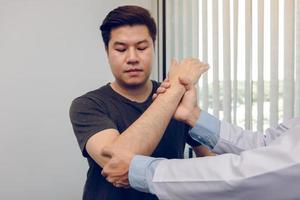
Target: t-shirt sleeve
[{"x": 88, "y": 118}]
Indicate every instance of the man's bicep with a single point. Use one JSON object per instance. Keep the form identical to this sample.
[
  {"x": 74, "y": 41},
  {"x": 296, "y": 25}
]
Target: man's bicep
[{"x": 96, "y": 143}]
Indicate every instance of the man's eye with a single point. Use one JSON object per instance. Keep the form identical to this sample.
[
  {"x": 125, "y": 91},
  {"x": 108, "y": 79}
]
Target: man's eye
[
  {"x": 121, "y": 50},
  {"x": 142, "y": 48}
]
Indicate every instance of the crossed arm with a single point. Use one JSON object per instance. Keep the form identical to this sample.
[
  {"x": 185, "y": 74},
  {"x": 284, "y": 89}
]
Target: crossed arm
[
  {"x": 116, "y": 171},
  {"x": 152, "y": 122}
]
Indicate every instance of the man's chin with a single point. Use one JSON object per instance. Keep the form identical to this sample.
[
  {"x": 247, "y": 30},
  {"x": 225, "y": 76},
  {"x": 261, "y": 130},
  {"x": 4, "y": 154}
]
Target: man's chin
[{"x": 134, "y": 84}]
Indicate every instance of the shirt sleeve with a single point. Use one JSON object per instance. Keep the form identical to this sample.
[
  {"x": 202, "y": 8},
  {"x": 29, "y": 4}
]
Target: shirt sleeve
[
  {"x": 223, "y": 137},
  {"x": 207, "y": 130},
  {"x": 141, "y": 172},
  {"x": 88, "y": 118},
  {"x": 234, "y": 139}
]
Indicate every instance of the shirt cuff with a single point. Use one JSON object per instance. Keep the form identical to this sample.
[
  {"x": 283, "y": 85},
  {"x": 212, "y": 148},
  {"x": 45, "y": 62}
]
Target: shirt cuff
[
  {"x": 207, "y": 130},
  {"x": 141, "y": 171}
]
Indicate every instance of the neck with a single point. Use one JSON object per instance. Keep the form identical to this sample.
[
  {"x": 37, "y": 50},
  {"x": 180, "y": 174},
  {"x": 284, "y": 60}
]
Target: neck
[{"x": 138, "y": 93}]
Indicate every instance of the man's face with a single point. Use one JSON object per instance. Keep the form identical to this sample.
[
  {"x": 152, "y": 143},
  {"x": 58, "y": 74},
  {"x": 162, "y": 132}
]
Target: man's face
[{"x": 130, "y": 52}]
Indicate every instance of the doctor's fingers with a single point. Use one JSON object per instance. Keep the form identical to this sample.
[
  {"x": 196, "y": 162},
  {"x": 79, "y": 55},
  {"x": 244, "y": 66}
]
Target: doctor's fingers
[
  {"x": 113, "y": 179},
  {"x": 162, "y": 88},
  {"x": 121, "y": 186},
  {"x": 109, "y": 170},
  {"x": 112, "y": 171},
  {"x": 121, "y": 181},
  {"x": 159, "y": 91}
]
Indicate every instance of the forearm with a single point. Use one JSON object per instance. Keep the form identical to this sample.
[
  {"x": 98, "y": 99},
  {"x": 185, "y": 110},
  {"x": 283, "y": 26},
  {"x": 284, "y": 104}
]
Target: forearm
[{"x": 145, "y": 133}]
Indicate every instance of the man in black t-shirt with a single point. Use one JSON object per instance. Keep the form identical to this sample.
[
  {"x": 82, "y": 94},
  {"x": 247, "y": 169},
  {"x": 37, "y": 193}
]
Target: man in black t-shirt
[{"x": 121, "y": 114}]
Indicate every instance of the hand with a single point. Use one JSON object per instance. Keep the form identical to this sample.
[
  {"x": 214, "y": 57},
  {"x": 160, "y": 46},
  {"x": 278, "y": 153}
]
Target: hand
[
  {"x": 189, "y": 69},
  {"x": 116, "y": 170},
  {"x": 187, "y": 110}
]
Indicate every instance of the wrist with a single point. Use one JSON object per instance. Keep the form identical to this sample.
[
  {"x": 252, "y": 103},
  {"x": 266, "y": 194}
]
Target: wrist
[
  {"x": 175, "y": 83},
  {"x": 193, "y": 117}
]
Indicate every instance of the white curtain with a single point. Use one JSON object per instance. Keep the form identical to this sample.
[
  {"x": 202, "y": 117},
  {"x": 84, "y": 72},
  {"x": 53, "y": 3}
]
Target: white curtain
[{"x": 253, "y": 48}]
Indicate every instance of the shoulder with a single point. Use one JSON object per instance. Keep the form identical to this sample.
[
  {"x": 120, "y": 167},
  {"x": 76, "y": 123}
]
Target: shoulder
[
  {"x": 97, "y": 94},
  {"x": 91, "y": 99}
]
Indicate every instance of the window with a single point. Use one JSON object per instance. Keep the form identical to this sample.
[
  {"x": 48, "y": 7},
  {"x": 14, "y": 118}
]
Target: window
[{"x": 253, "y": 48}]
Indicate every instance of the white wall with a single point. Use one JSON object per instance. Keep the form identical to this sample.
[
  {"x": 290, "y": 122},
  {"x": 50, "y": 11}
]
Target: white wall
[{"x": 50, "y": 52}]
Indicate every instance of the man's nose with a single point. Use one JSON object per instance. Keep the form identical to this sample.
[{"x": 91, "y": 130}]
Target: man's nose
[{"x": 132, "y": 57}]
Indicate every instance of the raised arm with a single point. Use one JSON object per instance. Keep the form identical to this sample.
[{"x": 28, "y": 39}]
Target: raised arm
[{"x": 152, "y": 122}]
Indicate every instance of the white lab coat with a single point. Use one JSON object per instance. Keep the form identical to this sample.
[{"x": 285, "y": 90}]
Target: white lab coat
[{"x": 269, "y": 169}]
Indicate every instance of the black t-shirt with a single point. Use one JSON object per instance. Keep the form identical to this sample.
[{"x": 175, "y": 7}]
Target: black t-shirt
[{"x": 103, "y": 109}]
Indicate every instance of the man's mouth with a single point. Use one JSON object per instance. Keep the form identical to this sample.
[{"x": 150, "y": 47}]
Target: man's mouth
[{"x": 133, "y": 70}]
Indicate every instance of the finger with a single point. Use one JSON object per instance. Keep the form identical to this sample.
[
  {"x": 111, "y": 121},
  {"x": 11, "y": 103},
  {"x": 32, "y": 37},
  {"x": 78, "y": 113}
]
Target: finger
[
  {"x": 117, "y": 182},
  {"x": 122, "y": 183},
  {"x": 108, "y": 170},
  {"x": 161, "y": 90},
  {"x": 103, "y": 173},
  {"x": 111, "y": 180},
  {"x": 119, "y": 185},
  {"x": 165, "y": 84},
  {"x": 123, "y": 179},
  {"x": 167, "y": 78},
  {"x": 154, "y": 96}
]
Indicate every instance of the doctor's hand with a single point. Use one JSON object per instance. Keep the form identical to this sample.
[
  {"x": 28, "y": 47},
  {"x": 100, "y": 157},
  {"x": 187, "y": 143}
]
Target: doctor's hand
[
  {"x": 116, "y": 170},
  {"x": 187, "y": 110}
]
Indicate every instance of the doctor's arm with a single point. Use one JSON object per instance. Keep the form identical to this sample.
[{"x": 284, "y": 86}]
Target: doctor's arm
[
  {"x": 218, "y": 136},
  {"x": 222, "y": 137},
  {"x": 258, "y": 173}
]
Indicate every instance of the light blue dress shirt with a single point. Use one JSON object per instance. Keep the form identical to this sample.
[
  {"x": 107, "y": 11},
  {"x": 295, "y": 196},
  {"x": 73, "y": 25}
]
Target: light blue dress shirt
[{"x": 206, "y": 131}]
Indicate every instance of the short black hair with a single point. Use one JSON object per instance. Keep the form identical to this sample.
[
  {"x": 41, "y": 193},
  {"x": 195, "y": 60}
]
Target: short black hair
[{"x": 127, "y": 15}]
